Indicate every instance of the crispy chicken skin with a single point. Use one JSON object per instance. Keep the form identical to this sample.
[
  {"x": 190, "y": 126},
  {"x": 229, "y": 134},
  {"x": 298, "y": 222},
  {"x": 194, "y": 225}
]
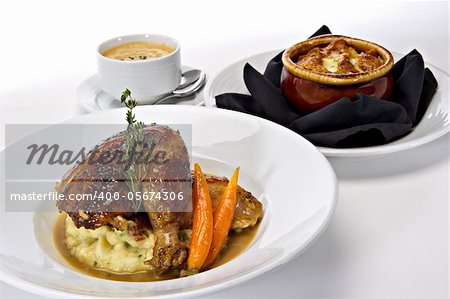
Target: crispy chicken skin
[
  {"x": 169, "y": 252},
  {"x": 89, "y": 178},
  {"x": 97, "y": 177},
  {"x": 248, "y": 209},
  {"x": 166, "y": 220}
]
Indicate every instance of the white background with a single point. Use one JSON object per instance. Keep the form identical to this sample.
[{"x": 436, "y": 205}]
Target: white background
[{"x": 389, "y": 237}]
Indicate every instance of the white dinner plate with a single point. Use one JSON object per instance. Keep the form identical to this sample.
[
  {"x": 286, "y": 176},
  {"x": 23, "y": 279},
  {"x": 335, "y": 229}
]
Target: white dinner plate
[
  {"x": 91, "y": 98},
  {"x": 434, "y": 124},
  {"x": 294, "y": 181}
]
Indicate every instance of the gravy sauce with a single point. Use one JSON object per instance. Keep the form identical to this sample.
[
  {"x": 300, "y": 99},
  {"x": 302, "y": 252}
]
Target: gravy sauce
[{"x": 236, "y": 244}]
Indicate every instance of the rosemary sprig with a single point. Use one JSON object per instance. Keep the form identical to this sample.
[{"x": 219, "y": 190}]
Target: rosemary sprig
[{"x": 135, "y": 145}]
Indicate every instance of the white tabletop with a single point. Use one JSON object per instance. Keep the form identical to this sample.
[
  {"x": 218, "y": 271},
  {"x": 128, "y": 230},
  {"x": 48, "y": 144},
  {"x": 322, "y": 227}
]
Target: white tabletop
[{"x": 389, "y": 237}]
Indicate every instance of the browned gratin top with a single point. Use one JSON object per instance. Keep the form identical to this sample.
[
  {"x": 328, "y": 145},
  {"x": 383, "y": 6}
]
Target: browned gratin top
[{"x": 340, "y": 58}]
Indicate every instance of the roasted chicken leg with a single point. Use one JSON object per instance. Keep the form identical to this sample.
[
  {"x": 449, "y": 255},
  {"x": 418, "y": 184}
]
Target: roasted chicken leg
[{"x": 166, "y": 219}]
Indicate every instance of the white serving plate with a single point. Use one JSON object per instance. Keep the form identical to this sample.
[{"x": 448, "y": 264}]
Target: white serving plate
[
  {"x": 434, "y": 124},
  {"x": 288, "y": 174}
]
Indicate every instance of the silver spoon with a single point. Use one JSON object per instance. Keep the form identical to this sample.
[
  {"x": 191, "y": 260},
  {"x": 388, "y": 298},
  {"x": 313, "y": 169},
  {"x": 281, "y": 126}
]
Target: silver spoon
[
  {"x": 188, "y": 78},
  {"x": 186, "y": 91}
]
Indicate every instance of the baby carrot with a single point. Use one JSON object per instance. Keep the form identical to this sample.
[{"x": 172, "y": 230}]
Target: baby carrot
[
  {"x": 202, "y": 222},
  {"x": 223, "y": 216}
]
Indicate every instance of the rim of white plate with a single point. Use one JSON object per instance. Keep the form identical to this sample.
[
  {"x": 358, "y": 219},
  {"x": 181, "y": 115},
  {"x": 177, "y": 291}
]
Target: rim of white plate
[
  {"x": 41, "y": 290},
  {"x": 393, "y": 147}
]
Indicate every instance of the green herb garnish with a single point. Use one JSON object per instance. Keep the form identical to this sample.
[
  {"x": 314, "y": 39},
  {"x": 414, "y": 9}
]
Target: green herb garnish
[
  {"x": 140, "y": 57},
  {"x": 135, "y": 145},
  {"x": 126, "y": 244},
  {"x": 130, "y": 103}
]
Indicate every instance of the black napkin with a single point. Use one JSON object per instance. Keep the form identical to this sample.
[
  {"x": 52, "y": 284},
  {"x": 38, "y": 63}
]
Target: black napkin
[{"x": 365, "y": 121}]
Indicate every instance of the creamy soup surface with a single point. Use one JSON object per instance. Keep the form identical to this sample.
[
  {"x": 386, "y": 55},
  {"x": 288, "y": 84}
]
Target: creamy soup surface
[{"x": 138, "y": 51}]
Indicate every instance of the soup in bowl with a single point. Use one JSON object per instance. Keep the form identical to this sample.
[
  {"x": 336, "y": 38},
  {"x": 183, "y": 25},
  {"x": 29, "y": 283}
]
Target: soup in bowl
[
  {"x": 148, "y": 64},
  {"x": 135, "y": 51}
]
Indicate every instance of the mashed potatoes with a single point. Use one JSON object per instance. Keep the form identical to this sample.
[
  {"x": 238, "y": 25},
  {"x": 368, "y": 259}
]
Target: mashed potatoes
[{"x": 108, "y": 248}]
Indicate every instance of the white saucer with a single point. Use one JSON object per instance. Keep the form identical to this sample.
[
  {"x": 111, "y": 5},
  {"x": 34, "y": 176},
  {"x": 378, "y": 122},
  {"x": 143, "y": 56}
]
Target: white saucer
[
  {"x": 434, "y": 124},
  {"x": 92, "y": 98}
]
